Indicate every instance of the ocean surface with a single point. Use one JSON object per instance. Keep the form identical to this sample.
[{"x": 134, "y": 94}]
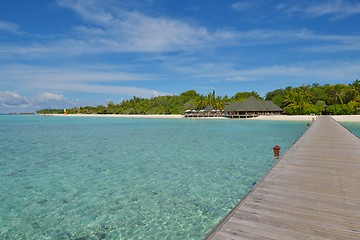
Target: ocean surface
[
  {"x": 119, "y": 178},
  {"x": 354, "y": 127}
]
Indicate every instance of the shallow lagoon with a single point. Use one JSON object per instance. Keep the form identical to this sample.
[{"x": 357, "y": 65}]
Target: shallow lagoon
[
  {"x": 354, "y": 127},
  {"x": 115, "y": 178}
]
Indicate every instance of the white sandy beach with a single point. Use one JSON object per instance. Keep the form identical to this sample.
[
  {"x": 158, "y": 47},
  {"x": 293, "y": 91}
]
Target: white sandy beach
[
  {"x": 286, "y": 118},
  {"x": 307, "y": 118},
  {"x": 347, "y": 118}
]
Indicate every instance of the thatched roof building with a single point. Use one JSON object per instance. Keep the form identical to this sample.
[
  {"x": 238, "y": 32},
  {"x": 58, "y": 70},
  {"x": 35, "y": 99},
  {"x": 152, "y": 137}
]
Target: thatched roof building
[{"x": 251, "y": 107}]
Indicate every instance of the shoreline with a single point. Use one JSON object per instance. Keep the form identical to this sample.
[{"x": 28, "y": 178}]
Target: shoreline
[
  {"x": 305, "y": 118},
  {"x": 346, "y": 118},
  {"x": 169, "y": 116}
]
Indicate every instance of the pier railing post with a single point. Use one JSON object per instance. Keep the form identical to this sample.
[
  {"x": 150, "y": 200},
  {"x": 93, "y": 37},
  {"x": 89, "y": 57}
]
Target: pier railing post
[{"x": 276, "y": 149}]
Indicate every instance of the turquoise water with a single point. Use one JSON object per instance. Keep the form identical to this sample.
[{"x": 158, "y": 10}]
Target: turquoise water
[
  {"x": 116, "y": 178},
  {"x": 354, "y": 127}
]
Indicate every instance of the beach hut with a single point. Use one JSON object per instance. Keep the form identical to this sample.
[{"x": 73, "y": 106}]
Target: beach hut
[
  {"x": 272, "y": 108},
  {"x": 251, "y": 107}
]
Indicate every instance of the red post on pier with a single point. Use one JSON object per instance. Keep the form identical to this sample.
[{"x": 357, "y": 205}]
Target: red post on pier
[{"x": 276, "y": 149}]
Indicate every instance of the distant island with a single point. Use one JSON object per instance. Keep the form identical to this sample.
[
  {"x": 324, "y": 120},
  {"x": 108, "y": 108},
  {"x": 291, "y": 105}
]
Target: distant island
[
  {"x": 21, "y": 113},
  {"x": 337, "y": 99}
]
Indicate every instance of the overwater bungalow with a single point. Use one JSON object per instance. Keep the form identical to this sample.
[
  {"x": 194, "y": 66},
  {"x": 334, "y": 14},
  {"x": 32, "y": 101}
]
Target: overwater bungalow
[{"x": 251, "y": 107}]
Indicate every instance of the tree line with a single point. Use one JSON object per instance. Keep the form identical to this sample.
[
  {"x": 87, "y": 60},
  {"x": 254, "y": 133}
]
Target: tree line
[
  {"x": 338, "y": 99},
  {"x": 306, "y": 99}
]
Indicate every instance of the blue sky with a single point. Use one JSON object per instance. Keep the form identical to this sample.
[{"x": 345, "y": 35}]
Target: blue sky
[{"x": 66, "y": 53}]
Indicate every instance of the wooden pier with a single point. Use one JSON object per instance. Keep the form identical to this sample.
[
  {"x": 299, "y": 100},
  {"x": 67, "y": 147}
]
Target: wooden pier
[{"x": 313, "y": 192}]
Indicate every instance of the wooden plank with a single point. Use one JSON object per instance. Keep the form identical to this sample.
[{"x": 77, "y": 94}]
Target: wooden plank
[{"x": 313, "y": 192}]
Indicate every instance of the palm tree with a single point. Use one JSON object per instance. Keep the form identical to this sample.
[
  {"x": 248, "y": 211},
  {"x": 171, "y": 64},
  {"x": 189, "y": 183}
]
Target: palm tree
[
  {"x": 200, "y": 102},
  {"x": 306, "y": 94},
  {"x": 210, "y": 99},
  {"x": 338, "y": 93},
  {"x": 355, "y": 90},
  {"x": 296, "y": 100},
  {"x": 219, "y": 103},
  {"x": 288, "y": 96}
]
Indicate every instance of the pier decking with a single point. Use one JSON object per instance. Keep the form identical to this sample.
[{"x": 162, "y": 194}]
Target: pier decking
[{"x": 313, "y": 192}]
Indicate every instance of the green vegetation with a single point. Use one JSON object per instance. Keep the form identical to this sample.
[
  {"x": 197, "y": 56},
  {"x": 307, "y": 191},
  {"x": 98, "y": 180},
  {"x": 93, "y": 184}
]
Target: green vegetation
[
  {"x": 306, "y": 99},
  {"x": 328, "y": 99}
]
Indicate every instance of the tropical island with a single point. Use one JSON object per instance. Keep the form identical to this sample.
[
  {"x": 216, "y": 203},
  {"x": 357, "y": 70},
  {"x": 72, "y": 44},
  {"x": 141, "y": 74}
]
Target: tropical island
[{"x": 337, "y": 99}]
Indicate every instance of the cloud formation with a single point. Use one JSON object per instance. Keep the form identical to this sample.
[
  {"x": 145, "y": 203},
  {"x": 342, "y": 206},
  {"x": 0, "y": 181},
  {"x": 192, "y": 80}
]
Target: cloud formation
[
  {"x": 9, "y": 27},
  {"x": 108, "y": 28},
  {"x": 323, "y": 71},
  {"x": 46, "y": 96},
  {"x": 121, "y": 30},
  {"x": 334, "y": 9},
  {"x": 89, "y": 79},
  {"x": 10, "y": 99},
  {"x": 247, "y": 5},
  {"x": 13, "y": 101}
]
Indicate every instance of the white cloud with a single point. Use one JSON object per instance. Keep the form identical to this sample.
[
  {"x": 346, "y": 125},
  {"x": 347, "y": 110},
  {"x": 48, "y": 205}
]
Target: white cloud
[
  {"x": 302, "y": 38},
  {"x": 51, "y": 100},
  {"x": 263, "y": 36},
  {"x": 326, "y": 72},
  {"x": 112, "y": 29},
  {"x": 334, "y": 9},
  {"x": 321, "y": 71},
  {"x": 10, "y": 99},
  {"x": 245, "y": 5},
  {"x": 156, "y": 35},
  {"x": 89, "y": 73},
  {"x": 92, "y": 79},
  {"x": 109, "y": 90},
  {"x": 46, "y": 96},
  {"x": 91, "y": 10},
  {"x": 337, "y": 9},
  {"x": 9, "y": 27},
  {"x": 109, "y": 29}
]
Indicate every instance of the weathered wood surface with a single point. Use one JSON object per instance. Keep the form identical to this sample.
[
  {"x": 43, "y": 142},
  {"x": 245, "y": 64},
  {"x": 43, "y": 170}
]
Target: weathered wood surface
[{"x": 313, "y": 192}]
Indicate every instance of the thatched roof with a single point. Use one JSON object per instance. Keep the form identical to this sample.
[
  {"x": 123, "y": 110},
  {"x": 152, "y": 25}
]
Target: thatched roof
[
  {"x": 253, "y": 105},
  {"x": 271, "y": 107},
  {"x": 208, "y": 108}
]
